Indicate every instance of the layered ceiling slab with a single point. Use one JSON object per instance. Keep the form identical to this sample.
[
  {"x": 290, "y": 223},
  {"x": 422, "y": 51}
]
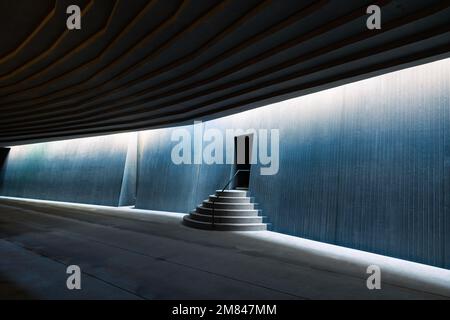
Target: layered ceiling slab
[{"x": 145, "y": 64}]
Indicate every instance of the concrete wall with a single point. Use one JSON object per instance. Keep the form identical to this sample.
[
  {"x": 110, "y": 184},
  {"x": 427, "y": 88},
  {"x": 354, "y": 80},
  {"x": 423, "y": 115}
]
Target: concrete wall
[
  {"x": 87, "y": 170},
  {"x": 176, "y": 188},
  {"x": 366, "y": 165},
  {"x": 129, "y": 181}
]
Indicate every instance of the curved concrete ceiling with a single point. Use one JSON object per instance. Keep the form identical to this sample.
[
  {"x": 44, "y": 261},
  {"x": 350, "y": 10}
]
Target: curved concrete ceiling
[{"x": 146, "y": 63}]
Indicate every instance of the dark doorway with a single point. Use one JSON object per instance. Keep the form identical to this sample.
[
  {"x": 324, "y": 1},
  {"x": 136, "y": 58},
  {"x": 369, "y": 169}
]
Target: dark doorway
[{"x": 242, "y": 160}]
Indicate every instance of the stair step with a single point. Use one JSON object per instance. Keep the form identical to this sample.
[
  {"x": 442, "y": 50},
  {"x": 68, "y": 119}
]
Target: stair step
[
  {"x": 230, "y": 199},
  {"x": 224, "y": 226},
  {"x": 232, "y": 193},
  {"x": 225, "y": 219},
  {"x": 233, "y": 210},
  {"x": 227, "y": 212},
  {"x": 223, "y": 205}
]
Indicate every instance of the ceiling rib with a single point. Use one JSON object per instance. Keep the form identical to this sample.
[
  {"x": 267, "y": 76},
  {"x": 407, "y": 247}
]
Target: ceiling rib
[{"x": 249, "y": 55}]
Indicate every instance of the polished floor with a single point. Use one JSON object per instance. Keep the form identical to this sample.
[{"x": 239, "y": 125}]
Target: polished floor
[{"x": 134, "y": 254}]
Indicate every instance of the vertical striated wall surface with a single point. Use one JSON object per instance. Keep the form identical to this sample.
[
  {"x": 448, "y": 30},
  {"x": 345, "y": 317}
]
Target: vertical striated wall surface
[
  {"x": 365, "y": 165},
  {"x": 88, "y": 170}
]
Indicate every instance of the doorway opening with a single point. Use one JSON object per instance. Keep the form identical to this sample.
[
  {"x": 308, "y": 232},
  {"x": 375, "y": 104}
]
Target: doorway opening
[{"x": 242, "y": 161}]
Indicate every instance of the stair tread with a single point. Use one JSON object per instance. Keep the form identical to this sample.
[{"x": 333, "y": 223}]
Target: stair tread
[
  {"x": 228, "y": 203},
  {"x": 234, "y": 217},
  {"x": 226, "y": 224},
  {"x": 226, "y": 209},
  {"x": 215, "y": 196}
]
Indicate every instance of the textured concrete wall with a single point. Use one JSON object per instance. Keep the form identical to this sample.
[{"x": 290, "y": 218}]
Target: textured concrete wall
[
  {"x": 162, "y": 184},
  {"x": 87, "y": 170},
  {"x": 366, "y": 165},
  {"x": 129, "y": 180}
]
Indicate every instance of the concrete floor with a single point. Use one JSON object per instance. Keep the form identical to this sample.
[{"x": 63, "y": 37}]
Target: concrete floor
[{"x": 134, "y": 254}]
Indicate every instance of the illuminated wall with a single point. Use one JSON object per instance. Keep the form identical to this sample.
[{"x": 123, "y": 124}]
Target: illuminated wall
[
  {"x": 89, "y": 170},
  {"x": 365, "y": 165},
  {"x": 169, "y": 187}
]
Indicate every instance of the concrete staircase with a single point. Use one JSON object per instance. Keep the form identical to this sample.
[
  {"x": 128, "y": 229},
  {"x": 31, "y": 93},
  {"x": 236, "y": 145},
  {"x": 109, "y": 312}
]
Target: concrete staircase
[{"x": 228, "y": 210}]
